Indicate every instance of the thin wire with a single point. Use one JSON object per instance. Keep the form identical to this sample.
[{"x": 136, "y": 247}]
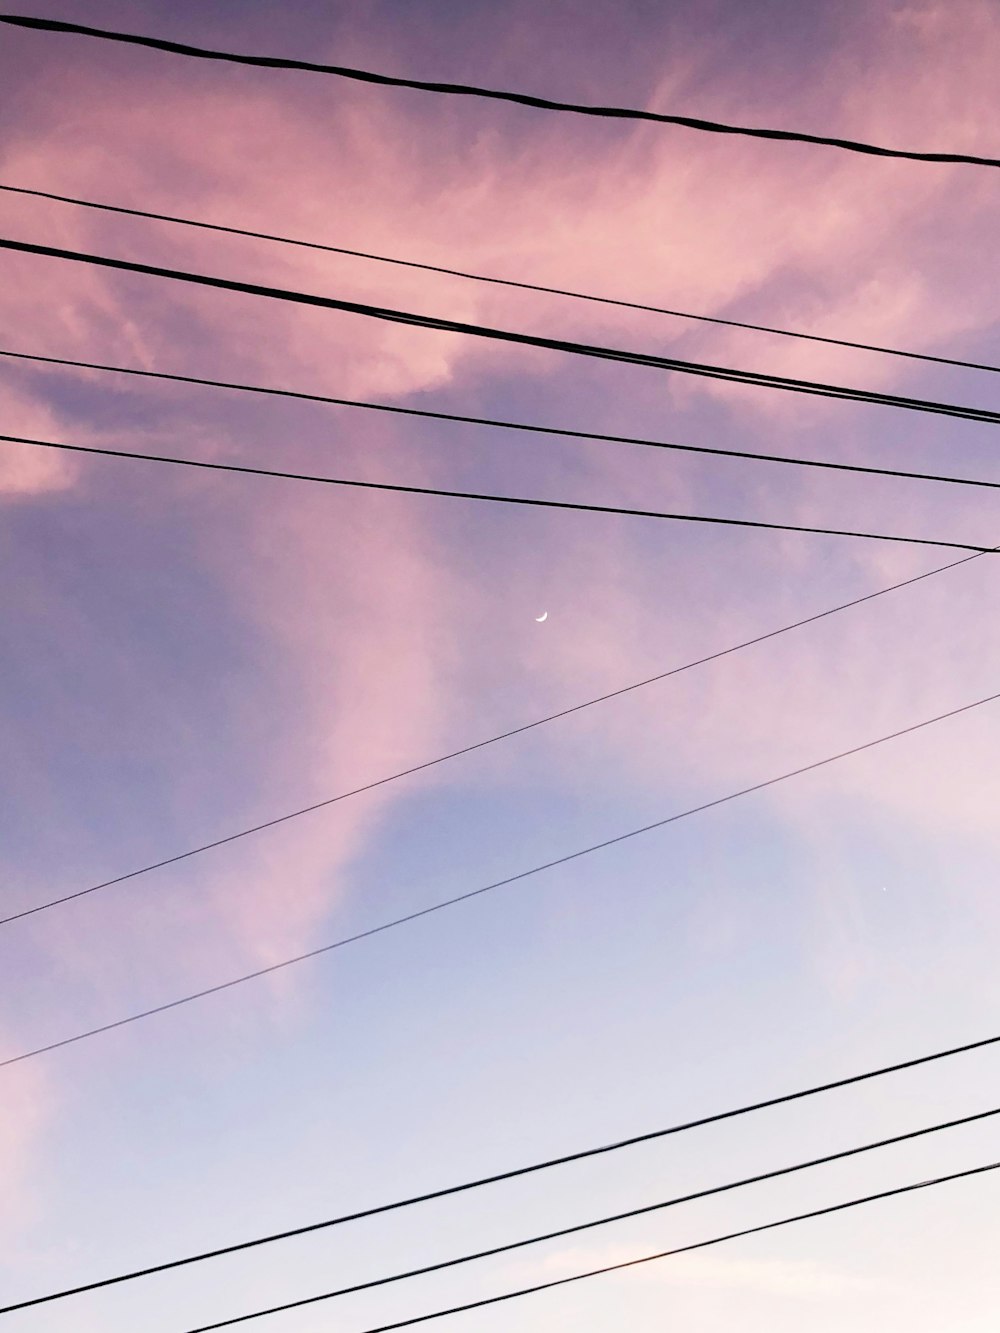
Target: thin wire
[
  {"x": 530, "y": 428},
  {"x": 411, "y": 319},
  {"x": 582, "y": 1226},
  {"x": 684, "y": 1249},
  {"x": 523, "y": 500},
  {"x": 494, "y": 94},
  {"x": 495, "y": 281},
  {"x": 491, "y": 740},
  {"x": 544, "y": 1166},
  {"x": 497, "y": 884}
]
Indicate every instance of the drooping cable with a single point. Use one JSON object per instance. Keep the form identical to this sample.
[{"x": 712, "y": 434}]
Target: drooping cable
[
  {"x": 649, "y": 360},
  {"x": 479, "y": 745},
  {"x": 678, "y": 1249},
  {"x": 532, "y": 428},
  {"x": 493, "y": 94},
  {"x": 572, "y": 1230},
  {"x": 326, "y": 1224},
  {"x": 470, "y": 894},
  {"x": 200, "y": 223},
  {"x": 532, "y": 502}
]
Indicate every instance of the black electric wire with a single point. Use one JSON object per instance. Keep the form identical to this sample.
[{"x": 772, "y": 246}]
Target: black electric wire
[
  {"x": 494, "y": 281},
  {"x": 680, "y": 1249},
  {"x": 527, "y": 427},
  {"x": 584, "y": 1226},
  {"x": 493, "y": 94},
  {"x": 580, "y": 1226},
  {"x": 410, "y": 319},
  {"x": 497, "y": 884},
  {"x": 491, "y": 740},
  {"x": 528, "y": 1170},
  {"x": 523, "y": 500}
]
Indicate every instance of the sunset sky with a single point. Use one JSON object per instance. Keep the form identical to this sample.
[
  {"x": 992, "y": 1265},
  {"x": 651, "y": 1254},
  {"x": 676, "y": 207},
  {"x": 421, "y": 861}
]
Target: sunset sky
[{"x": 185, "y": 654}]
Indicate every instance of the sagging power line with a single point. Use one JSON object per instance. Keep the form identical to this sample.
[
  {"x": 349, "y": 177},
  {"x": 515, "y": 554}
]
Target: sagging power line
[
  {"x": 492, "y": 94},
  {"x": 622, "y": 356},
  {"x": 493, "y": 280},
  {"x": 576, "y": 1229},
  {"x": 535, "y": 1167},
  {"x": 471, "y": 894},
  {"x": 532, "y": 502},
  {"x": 479, "y": 745},
  {"x": 532, "y": 428}
]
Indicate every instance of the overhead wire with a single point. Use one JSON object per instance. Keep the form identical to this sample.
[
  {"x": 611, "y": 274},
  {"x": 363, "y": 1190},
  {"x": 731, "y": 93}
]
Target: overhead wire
[
  {"x": 493, "y": 94},
  {"x": 366, "y": 76},
  {"x": 325, "y": 248},
  {"x": 490, "y": 740},
  {"x": 411, "y": 319},
  {"x": 558, "y": 1234},
  {"x": 666, "y": 1254},
  {"x": 589, "y": 1225},
  {"x": 583, "y": 1155},
  {"x": 534, "y": 428},
  {"x": 772, "y": 381},
  {"x": 532, "y": 502},
  {"x": 468, "y": 895}
]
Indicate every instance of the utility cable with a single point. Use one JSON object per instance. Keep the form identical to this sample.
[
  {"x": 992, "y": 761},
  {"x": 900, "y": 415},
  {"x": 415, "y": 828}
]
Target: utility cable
[
  {"x": 444, "y": 903},
  {"x": 523, "y": 500},
  {"x": 679, "y": 1249},
  {"x": 411, "y": 319},
  {"x": 493, "y": 280},
  {"x": 527, "y": 1170},
  {"x": 528, "y": 428},
  {"x": 491, "y": 740},
  {"x": 575, "y": 1230},
  {"x": 493, "y": 94}
]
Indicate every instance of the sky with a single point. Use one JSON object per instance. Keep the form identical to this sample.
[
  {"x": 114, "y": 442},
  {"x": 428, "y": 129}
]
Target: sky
[{"x": 186, "y": 654}]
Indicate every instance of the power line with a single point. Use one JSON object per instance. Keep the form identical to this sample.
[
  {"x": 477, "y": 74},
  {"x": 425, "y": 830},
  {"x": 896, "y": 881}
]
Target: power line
[
  {"x": 544, "y": 1166},
  {"x": 523, "y": 500},
  {"x": 679, "y": 1249},
  {"x": 491, "y": 740},
  {"x": 410, "y": 319},
  {"x": 495, "y": 281},
  {"x": 497, "y": 884},
  {"x": 573, "y": 1230},
  {"x": 493, "y": 94},
  {"x": 527, "y": 427},
  {"x": 581, "y": 1226}
]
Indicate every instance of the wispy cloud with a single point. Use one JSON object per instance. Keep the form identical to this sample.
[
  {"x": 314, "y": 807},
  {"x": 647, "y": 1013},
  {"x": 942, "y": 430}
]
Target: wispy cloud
[{"x": 379, "y": 669}]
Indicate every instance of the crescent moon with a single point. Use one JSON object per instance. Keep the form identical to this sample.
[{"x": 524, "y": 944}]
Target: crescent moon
[{"x": 543, "y": 616}]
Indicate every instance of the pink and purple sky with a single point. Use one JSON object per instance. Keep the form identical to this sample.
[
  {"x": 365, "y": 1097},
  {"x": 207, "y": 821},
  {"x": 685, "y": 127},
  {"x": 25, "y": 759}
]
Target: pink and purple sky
[{"x": 184, "y": 655}]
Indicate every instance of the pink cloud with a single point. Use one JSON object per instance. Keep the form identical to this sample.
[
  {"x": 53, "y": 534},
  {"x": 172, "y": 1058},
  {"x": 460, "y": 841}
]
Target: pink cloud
[
  {"x": 25, "y": 1113},
  {"x": 26, "y": 471},
  {"x": 369, "y": 643},
  {"x": 383, "y": 677},
  {"x": 648, "y": 218}
]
